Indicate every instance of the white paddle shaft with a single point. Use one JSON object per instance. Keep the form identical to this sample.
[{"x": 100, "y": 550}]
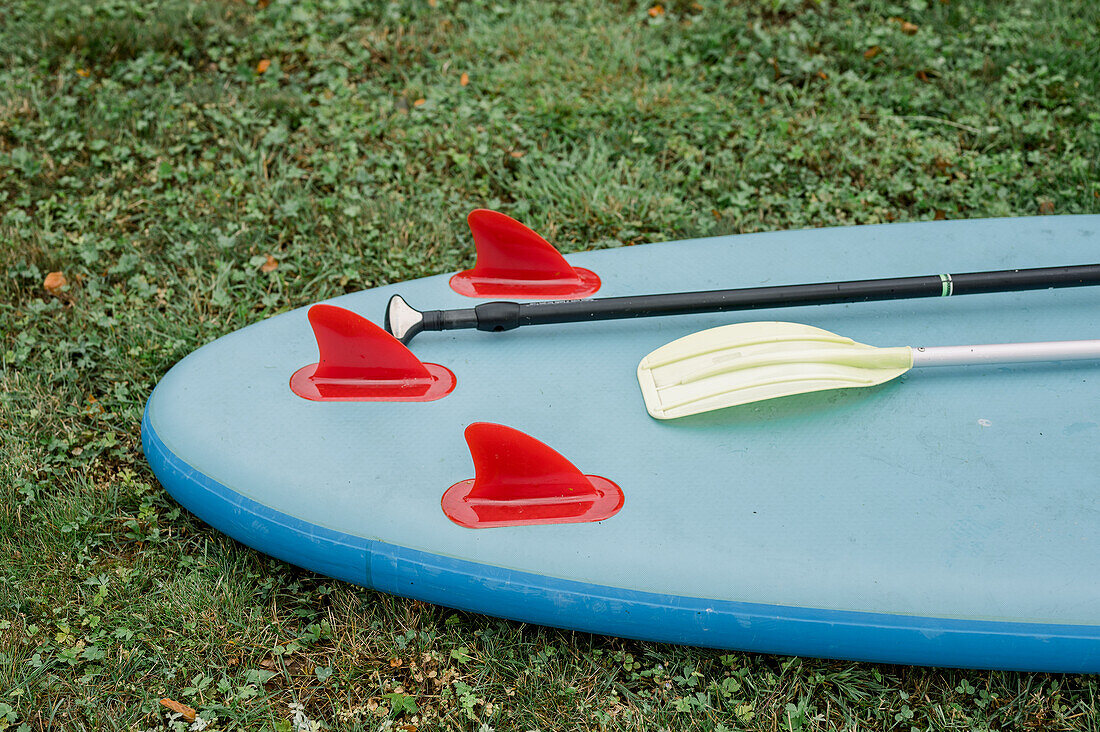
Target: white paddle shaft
[{"x": 1006, "y": 353}]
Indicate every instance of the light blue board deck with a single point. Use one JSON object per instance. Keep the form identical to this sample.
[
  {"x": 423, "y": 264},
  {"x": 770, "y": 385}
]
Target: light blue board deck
[{"x": 949, "y": 518}]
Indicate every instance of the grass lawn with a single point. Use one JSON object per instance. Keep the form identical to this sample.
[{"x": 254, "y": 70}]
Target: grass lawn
[{"x": 193, "y": 166}]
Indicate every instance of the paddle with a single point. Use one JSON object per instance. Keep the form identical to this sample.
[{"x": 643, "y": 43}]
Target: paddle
[
  {"x": 750, "y": 362},
  {"x": 404, "y": 321}
]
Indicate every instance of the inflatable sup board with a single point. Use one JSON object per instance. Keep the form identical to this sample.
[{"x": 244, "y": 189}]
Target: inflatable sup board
[{"x": 950, "y": 517}]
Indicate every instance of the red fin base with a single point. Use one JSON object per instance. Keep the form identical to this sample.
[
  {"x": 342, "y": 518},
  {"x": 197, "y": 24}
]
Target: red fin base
[
  {"x": 475, "y": 514},
  {"x": 515, "y": 262},
  {"x": 361, "y": 362},
  {"x": 306, "y": 385},
  {"x": 472, "y": 284},
  {"x": 521, "y": 481}
]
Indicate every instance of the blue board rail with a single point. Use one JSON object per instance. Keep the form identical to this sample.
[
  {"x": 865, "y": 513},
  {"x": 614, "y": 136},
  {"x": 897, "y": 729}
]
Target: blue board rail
[{"x": 580, "y": 606}]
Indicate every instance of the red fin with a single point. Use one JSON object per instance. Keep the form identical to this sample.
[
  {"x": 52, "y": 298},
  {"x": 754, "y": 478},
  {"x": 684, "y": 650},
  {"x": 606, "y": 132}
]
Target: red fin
[
  {"x": 511, "y": 464},
  {"x": 361, "y": 362},
  {"x": 521, "y": 481},
  {"x": 514, "y": 261}
]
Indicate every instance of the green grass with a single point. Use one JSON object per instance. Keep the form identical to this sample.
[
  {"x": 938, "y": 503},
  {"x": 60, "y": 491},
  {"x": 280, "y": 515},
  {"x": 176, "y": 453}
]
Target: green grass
[{"x": 142, "y": 155}]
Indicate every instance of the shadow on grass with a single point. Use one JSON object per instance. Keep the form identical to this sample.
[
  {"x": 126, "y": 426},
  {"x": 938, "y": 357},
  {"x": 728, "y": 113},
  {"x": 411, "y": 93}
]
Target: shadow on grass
[{"x": 104, "y": 36}]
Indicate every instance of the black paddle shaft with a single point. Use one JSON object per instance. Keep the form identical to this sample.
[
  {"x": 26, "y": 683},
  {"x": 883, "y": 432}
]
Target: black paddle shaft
[{"x": 500, "y": 316}]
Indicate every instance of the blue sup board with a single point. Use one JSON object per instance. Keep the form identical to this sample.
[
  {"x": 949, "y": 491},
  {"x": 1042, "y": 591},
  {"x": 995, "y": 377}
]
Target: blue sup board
[{"x": 948, "y": 518}]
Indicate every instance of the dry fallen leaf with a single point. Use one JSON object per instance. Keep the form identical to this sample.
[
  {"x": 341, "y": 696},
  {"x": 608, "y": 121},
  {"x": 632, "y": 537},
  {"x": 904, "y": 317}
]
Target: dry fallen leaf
[
  {"x": 822, "y": 75},
  {"x": 906, "y": 27},
  {"x": 54, "y": 283},
  {"x": 516, "y": 154},
  {"x": 94, "y": 407},
  {"x": 941, "y": 215},
  {"x": 82, "y": 72},
  {"x": 395, "y": 662},
  {"x": 187, "y": 712},
  {"x": 420, "y": 101},
  {"x": 464, "y": 79},
  {"x": 1046, "y": 207},
  {"x": 263, "y": 66},
  {"x": 656, "y": 10},
  {"x": 871, "y": 52},
  {"x": 270, "y": 265}
]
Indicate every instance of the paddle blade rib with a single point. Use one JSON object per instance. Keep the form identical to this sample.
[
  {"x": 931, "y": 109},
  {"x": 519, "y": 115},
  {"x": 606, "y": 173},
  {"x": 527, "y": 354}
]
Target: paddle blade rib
[{"x": 749, "y": 362}]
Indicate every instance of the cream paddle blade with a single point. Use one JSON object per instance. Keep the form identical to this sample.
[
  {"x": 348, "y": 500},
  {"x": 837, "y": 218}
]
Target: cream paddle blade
[{"x": 750, "y": 362}]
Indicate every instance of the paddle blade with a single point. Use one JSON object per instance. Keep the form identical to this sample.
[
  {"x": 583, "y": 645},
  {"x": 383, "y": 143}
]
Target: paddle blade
[{"x": 749, "y": 362}]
